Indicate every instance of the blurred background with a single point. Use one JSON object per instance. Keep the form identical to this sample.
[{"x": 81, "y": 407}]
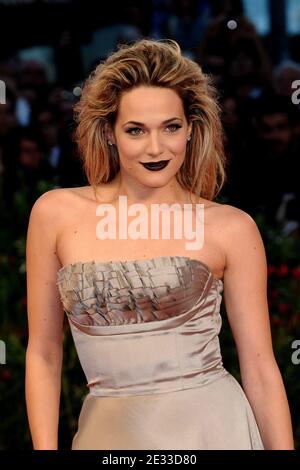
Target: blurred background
[{"x": 252, "y": 50}]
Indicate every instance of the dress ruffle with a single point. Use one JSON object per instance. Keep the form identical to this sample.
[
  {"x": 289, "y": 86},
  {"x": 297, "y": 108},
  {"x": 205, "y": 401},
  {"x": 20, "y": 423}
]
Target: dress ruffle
[{"x": 127, "y": 292}]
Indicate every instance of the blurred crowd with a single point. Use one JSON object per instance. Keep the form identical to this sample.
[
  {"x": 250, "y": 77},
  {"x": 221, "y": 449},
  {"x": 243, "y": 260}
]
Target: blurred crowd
[{"x": 260, "y": 110}]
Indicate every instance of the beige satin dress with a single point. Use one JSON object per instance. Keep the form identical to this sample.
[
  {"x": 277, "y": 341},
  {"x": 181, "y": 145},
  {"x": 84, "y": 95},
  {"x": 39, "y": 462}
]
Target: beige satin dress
[{"x": 146, "y": 334}]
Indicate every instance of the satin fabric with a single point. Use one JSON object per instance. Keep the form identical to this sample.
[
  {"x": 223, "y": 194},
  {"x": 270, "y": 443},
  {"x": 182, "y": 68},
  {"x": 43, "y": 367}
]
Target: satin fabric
[{"x": 146, "y": 334}]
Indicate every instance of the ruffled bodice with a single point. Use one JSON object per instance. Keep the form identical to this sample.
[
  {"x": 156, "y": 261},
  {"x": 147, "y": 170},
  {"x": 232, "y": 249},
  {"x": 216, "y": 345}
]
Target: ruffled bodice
[
  {"x": 144, "y": 326},
  {"x": 146, "y": 333},
  {"x": 122, "y": 292}
]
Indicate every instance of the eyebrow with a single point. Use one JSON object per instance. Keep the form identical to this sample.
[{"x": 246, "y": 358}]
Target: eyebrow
[{"x": 142, "y": 124}]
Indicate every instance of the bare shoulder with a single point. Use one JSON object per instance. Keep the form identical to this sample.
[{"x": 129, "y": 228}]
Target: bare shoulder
[
  {"x": 236, "y": 221},
  {"x": 60, "y": 195},
  {"x": 48, "y": 213},
  {"x": 51, "y": 197},
  {"x": 226, "y": 217},
  {"x": 55, "y": 201},
  {"x": 241, "y": 237},
  {"x": 62, "y": 207},
  {"x": 233, "y": 216}
]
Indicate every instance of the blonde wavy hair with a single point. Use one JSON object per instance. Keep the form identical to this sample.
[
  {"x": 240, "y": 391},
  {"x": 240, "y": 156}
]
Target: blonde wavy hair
[{"x": 158, "y": 63}]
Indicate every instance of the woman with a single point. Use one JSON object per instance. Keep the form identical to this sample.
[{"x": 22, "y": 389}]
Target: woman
[{"x": 144, "y": 311}]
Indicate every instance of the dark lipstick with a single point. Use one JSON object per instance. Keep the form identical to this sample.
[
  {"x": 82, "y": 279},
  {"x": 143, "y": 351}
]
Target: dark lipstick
[{"x": 155, "y": 166}]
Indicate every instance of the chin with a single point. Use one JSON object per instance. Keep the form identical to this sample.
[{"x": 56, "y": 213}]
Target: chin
[{"x": 155, "y": 181}]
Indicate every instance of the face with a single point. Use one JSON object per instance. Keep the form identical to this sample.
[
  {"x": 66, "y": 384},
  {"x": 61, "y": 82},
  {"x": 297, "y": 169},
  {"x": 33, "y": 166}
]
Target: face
[
  {"x": 48, "y": 128},
  {"x": 275, "y": 130},
  {"x": 30, "y": 155},
  {"x": 230, "y": 116},
  {"x": 150, "y": 127}
]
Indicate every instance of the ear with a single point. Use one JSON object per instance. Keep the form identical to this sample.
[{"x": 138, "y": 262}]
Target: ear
[
  {"x": 190, "y": 128},
  {"x": 109, "y": 133}
]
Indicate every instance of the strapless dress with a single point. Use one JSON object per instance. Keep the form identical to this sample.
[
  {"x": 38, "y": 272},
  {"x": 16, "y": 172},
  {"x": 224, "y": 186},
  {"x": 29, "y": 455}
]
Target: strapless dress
[{"x": 146, "y": 333}]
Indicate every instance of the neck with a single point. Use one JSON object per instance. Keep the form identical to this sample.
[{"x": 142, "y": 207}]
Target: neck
[{"x": 138, "y": 193}]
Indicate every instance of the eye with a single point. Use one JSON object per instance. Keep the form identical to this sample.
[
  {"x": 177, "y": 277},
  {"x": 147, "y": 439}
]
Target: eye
[
  {"x": 174, "y": 127},
  {"x": 135, "y": 131},
  {"x": 130, "y": 131}
]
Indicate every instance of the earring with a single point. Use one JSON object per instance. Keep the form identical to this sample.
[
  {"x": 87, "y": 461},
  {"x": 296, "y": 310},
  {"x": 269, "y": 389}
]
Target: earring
[
  {"x": 109, "y": 142},
  {"x": 189, "y": 137}
]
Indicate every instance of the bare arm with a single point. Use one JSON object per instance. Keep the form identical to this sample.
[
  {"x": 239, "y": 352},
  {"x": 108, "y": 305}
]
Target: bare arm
[
  {"x": 45, "y": 323},
  {"x": 245, "y": 295}
]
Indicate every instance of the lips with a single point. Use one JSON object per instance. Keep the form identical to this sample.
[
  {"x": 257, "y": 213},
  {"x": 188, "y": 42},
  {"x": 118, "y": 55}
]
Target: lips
[{"x": 155, "y": 166}]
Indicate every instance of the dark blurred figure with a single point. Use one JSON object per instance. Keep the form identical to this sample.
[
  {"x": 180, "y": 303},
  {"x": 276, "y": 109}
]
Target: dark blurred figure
[
  {"x": 268, "y": 168},
  {"x": 25, "y": 166},
  {"x": 233, "y": 52},
  {"x": 55, "y": 124},
  {"x": 68, "y": 58},
  {"x": 284, "y": 75},
  {"x": 186, "y": 23},
  {"x": 64, "y": 154},
  {"x": 234, "y": 140},
  {"x": 33, "y": 89},
  {"x": 226, "y": 7},
  {"x": 159, "y": 18},
  {"x": 46, "y": 122},
  {"x": 135, "y": 22},
  {"x": 286, "y": 78},
  {"x": 7, "y": 123},
  {"x": 248, "y": 70}
]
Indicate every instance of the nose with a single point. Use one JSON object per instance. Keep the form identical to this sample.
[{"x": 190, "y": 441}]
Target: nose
[{"x": 154, "y": 147}]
